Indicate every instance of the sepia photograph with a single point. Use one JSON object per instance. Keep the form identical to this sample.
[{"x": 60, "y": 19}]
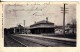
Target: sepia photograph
[{"x": 40, "y": 25}]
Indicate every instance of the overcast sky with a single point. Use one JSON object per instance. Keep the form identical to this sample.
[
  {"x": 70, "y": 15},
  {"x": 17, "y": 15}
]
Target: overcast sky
[{"x": 15, "y": 14}]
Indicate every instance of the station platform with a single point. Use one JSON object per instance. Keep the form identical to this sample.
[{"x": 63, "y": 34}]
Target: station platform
[{"x": 56, "y": 38}]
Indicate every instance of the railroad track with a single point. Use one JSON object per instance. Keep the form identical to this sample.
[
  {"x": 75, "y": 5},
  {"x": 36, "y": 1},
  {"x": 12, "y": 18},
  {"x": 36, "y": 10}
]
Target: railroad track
[
  {"x": 19, "y": 42},
  {"x": 12, "y": 42},
  {"x": 64, "y": 41},
  {"x": 35, "y": 42},
  {"x": 41, "y": 45}
]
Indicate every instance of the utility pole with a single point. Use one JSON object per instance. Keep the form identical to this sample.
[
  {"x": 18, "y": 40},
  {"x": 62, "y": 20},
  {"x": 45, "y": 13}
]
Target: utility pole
[
  {"x": 64, "y": 20},
  {"x": 19, "y": 28},
  {"x": 14, "y": 30},
  {"x": 64, "y": 11},
  {"x": 24, "y": 26}
]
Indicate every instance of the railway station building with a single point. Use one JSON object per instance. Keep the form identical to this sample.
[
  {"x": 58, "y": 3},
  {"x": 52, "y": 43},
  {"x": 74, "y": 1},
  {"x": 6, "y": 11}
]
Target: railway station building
[{"x": 42, "y": 27}]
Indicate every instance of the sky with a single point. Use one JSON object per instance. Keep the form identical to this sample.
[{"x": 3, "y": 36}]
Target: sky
[{"x": 16, "y": 14}]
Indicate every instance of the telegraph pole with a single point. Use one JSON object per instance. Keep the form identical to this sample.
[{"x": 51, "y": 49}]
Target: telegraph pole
[
  {"x": 19, "y": 28},
  {"x": 64, "y": 20},
  {"x": 64, "y": 11},
  {"x": 14, "y": 30},
  {"x": 24, "y": 26}
]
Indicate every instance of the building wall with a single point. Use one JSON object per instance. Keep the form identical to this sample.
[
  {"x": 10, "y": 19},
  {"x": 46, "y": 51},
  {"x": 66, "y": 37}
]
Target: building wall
[{"x": 42, "y": 30}]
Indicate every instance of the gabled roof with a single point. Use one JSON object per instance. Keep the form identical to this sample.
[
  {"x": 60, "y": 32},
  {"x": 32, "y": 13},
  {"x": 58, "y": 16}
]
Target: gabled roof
[{"x": 42, "y": 22}]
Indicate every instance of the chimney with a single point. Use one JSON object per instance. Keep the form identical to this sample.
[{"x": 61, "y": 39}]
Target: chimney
[
  {"x": 35, "y": 22},
  {"x": 46, "y": 19}
]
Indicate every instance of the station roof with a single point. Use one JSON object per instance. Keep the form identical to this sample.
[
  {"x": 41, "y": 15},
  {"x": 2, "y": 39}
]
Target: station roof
[
  {"x": 42, "y": 22},
  {"x": 45, "y": 24}
]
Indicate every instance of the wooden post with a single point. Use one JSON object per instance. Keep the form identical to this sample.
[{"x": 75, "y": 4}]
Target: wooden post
[
  {"x": 24, "y": 26},
  {"x": 64, "y": 20}
]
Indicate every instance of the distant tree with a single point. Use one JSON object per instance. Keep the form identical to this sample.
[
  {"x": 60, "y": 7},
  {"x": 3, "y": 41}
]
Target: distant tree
[{"x": 73, "y": 26}]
